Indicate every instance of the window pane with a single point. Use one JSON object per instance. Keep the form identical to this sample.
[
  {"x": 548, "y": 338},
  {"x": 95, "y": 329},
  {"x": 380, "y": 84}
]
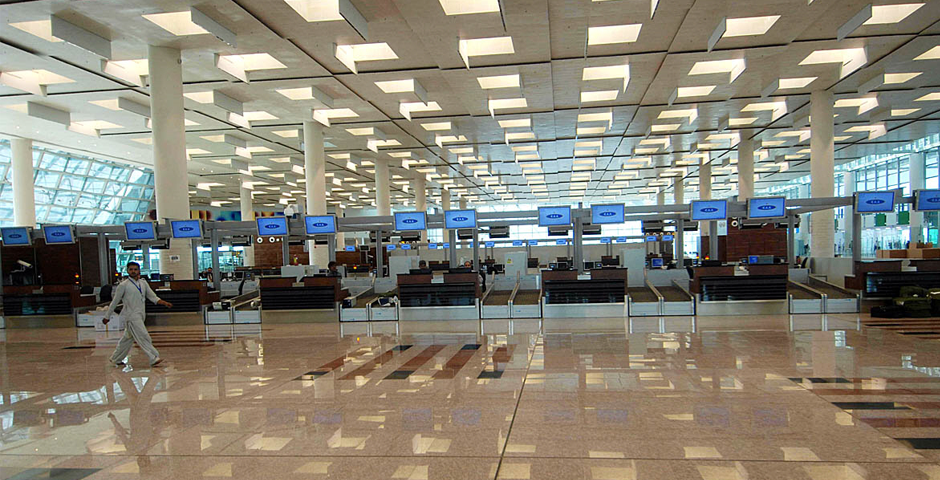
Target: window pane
[
  {"x": 47, "y": 179},
  {"x": 71, "y": 182},
  {"x": 94, "y": 185},
  {"x": 53, "y": 162},
  {"x": 65, "y": 198},
  {"x": 77, "y": 165}
]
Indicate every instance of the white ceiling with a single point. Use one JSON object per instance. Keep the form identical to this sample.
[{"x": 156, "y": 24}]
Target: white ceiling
[{"x": 551, "y": 53}]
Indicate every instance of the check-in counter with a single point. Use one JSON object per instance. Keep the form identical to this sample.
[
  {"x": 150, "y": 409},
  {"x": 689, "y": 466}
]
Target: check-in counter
[
  {"x": 603, "y": 293},
  {"x": 451, "y": 296},
  {"x": 37, "y": 306},
  {"x": 312, "y": 300},
  {"x": 728, "y": 290},
  {"x": 189, "y": 298},
  {"x": 883, "y": 280}
]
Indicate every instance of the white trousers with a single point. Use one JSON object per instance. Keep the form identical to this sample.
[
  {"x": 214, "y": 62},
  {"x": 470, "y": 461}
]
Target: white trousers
[{"x": 134, "y": 331}]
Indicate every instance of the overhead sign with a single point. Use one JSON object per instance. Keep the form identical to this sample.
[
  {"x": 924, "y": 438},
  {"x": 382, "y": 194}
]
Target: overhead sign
[{"x": 601, "y": 214}]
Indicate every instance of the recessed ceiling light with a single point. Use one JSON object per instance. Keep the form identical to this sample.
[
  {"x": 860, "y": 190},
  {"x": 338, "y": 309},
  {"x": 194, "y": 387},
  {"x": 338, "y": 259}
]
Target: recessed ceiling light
[
  {"x": 316, "y": 10},
  {"x": 606, "y": 73},
  {"x": 701, "y": 91},
  {"x": 436, "y": 127},
  {"x": 506, "y": 104},
  {"x": 733, "y": 67},
  {"x": 110, "y": 104},
  {"x": 903, "y": 112},
  {"x": 748, "y": 26},
  {"x": 509, "y": 136},
  {"x": 591, "y": 130},
  {"x": 479, "y": 47},
  {"x": 177, "y": 23},
  {"x": 599, "y": 96},
  {"x": 499, "y": 81},
  {"x": 200, "y": 97},
  {"x": 325, "y": 115},
  {"x": 863, "y": 104},
  {"x": 798, "y": 82},
  {"x": 350, "y": 55},
  {"x": 930, "y": 97},
  {"x": 468, "y": 7},
  {"x": 691, "y": 113},
  {"x": 399, "y": 86},
  {"x": 888, "y": 14},
  {"x": 850, "y": 59},
  {"x": 612, "y": 34},
  {"x": 897, "y": 78},
  {"x": 516, "y": 123},
  {"x": 39, "y": 28},
  {"x": 665, "y": 128},
  {"x": 932, "y": 54},
  {"x": 407, "y": 108},
  {"x": 239, "y": 66},
  {"x": 258, "y": 116},
  {"x": 292, "y": 133}
]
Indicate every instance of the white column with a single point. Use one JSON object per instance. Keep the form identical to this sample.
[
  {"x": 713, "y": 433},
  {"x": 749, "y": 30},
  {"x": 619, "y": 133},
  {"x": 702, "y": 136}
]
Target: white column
[
  {"x": 848, "y": 181},
  {"x": 678, "y": 191},
  {"x": 704, "y": 193},
  {"x": 462, "y": 203},
  {"x": 918, "y": 182},
  {"x": 24, "y": 196},
  {"x": 822, "y": 172},
  {"x": 315, "y": 175},
  {"x": 661, "y": 197},
  {"x": 804, "y": 220},
  {"x": 248, "y": 214},
  {"x": 421, "y": 199},
  {"x": 745, "y": 167},
  {"x": 340, "y": 236},
  {"x": 383, "y": 194},
  {"x": 445, "y": 199},
  {"x": 171, "y": 184}
]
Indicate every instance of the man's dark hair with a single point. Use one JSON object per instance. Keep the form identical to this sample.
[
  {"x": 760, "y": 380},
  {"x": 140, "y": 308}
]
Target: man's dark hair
[
  {"x": 129, "y": 264},
  {"x": 331, "y": 265},
  {"x": 422, "y": 264}
]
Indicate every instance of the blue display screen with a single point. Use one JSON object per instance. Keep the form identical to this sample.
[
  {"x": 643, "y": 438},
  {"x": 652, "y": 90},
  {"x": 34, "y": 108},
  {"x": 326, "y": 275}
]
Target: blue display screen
[
  {"x": 140, "y": 231},
  {"x": 605, "y": 240},
  {"x": 460, "y": 219},
  {"x": 657, "y": 262},
  {"x": 709, "y": 210},
  {"x": 15, "y": 236},
  {"x": 432, "y": 246},
  {"x": 652, "y": 238},
  {"x": 350, "y": 249},
  {"x": 517, "y": 243},
  {"x": 411, "y": 221},
  {"x": 186, "y": 228},
  {"x": 772, "y": 207},
  {"x": 753, "y": 259},
  {"x": 272, "y": 226},
  {"x": 606, "y": 214},
  {"x": 533, "y": 243},
  {"x": 490, "y": 244},
  {"x": 406, "y": 247},
  {"x": 58, "y": 234},
  {"x": 447, "y": 245},
  {"x": 927, "y": 200},
  {"x": 668, "y": 238},
  {"x": 874, "y": 202},
  {"x": 621, "y": 239},
  {"x": 561, "y": 242},
  {"x": 549, "y": 216},
  {"x": 390, "y": 247},
  {"x": 316, "y": 225}
]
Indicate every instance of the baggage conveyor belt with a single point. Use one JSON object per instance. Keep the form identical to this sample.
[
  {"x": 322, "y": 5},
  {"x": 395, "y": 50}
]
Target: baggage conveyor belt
[
  {"x": 498, "y": 297},
  {"x": 673, "y": 294},
  {"x": 801, "y": 294},
  {"x": 642, "y": 295},
  {"x": 526, "y": 297}
]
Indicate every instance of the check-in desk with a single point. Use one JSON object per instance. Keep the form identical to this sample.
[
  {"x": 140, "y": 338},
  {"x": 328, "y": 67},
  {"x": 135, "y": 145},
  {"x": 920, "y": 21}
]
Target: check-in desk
[
  {"x": 884, "y": 279},
  {"x": 729, "y": 290},
  {"x": 451, "y": 296},
  {"x": 38, "y": 306},
  {"x": 189, "y": 298},
  {"x": 602, "y": 293},
  {"x": 312, "y": 300}
]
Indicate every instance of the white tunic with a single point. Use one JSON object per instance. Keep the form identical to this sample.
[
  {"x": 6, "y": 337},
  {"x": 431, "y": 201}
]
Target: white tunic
[{"x": 133, "y": 294}]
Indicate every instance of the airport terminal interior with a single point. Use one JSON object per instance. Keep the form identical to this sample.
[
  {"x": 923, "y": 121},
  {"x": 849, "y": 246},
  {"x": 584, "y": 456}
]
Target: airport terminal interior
[{"x": 470, "y": 239}]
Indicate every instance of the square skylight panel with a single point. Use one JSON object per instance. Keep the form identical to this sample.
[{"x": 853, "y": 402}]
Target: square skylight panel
[
  {"x": 177, "y": 23},
  {"x": 499, "y": 81},
  {"x": 701, "y": 91},
  {"x": 350, "y": 55},
  {"x": 889, "y": 14},
  {"x": 613, "y": 34},
  {"x": 791, "y": 83},
  {"x": 516, "y": 123},
  {"x": 748, "y": 26},
  {"x": 599, "y": 96},
  {"x": 469, "y": 7},
  {"x": 480, "y": 47}
]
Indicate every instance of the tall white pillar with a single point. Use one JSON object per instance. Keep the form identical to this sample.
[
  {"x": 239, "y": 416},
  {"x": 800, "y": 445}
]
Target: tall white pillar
[
  {"x": 24, "y": 196},
  {"x": 445, "y": 199},
  {"x": 248, "y": 214},
  {"x": 804, "y": 221},
  {"x": 383, "y": 194},
  {"x": 848, "y": 181},
  {"x": 918, "y": 182},
  {"x": 462, "y": 203},
  {"x": 340, "y": 236},
  {"x": 171, "y": 184},
  {"x": 704, "y": 193},
  {"x": 822, "y": 172},
  {"x": 661, "y": 197},
  {"x": 421, "y": 199},
  {"x": 678, "y": 191},
  {"x": 315, "y": 175},
  {"x": 745, "y": 167}
]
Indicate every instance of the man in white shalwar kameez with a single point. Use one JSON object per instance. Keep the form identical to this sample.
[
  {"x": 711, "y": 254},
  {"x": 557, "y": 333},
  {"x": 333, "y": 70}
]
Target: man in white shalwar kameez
[{"x": 134, "y": 293}]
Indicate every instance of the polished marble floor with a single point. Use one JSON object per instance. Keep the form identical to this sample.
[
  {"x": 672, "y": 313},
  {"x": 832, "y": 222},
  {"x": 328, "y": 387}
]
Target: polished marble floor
[{"x": 710, "y": 398}]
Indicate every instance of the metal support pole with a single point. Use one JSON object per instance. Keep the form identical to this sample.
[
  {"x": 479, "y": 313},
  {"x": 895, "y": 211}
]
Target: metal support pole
[
  {"x": 528, "y": 253},
  {"x": 195, "y": 246},
  {"x": 285, "y": 250},
  {"x": 379, "y": 255},
  {"x": 791, "y": 240},
  {"x": 476, "y": 250},
  {"x": 331, "y": 245},
  {"x": 856, "y": 241},
  {"x": 452, "y": 237},
  {"x": 680, "y": 243},
  {"x": 713, "y": 240},
  {"x": 216, "y": 273},
  {"x": 578, "y": 243},
  {"x": 104, "y": 260},
  {"x": 145, "y": 253}
]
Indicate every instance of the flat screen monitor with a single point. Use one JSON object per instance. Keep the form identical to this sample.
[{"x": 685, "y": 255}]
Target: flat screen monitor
[
  {"x": 550, "y": 216},
  {"x": 140, "y": 230},
  {"x": 186, "y": 228},
  {"x": 390, "y": 247},
  {"x": 16, "y": 236},
  {"x": 656, "y": 262},
  {"x": 668, "y": 238},
  {"x": 703, "y": 210},
  {"x": 58, "y": 234},
  {"x": 350, "y": 248},
  {"x": 927, "y": 200},
  {"x": 517, "y": 243},
  {"x": 405, "y": 221},
  {"x": 406, "y": 246},
  {"x": 272, "y": 226},
  {"x": 753, "y": 259},
  {"x": 768, "y": 207},
  {"x": 652, "y": 238},
  {"x": 601, "y": 214},
  {"x": 605, "y": 240},
  {"x": 432, "y": 246},
  {"x": 533, "y": 243},
  {"x": 460, "y": 219},
  {"x": 874, "y": 202},
  {"x": 561, "y": 242},
  {"x": 489, "y": 244},
  {"x": 320, "y": 224}
]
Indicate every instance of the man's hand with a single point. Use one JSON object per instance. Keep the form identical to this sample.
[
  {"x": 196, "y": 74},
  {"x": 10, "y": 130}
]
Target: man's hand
[
  {"x": 105, "y": 321},
  {"x": 165, "y": 303}
]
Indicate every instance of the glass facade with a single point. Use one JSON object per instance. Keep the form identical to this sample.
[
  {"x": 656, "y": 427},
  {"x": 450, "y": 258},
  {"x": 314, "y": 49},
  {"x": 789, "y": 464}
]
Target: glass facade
[{"x": 72, "y": 188}]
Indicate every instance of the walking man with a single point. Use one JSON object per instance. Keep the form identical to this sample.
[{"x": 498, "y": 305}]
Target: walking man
[{"x": 134, "y": 293}]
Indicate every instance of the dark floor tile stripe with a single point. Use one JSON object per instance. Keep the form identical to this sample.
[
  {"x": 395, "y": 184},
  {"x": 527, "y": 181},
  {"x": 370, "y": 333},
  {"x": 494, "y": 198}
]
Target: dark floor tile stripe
[
  {"x": 902, "y": 422},
  {"x": 501, "y": 357},
  {"x": 457, "y": 362},
  {"x": 870, "y": 406},
  {"x": 333, "y": 365},
  {"x": 415, "y": 363},
  {"x": 375, "y": 363},
  {"x": 921, "y": 443}
]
